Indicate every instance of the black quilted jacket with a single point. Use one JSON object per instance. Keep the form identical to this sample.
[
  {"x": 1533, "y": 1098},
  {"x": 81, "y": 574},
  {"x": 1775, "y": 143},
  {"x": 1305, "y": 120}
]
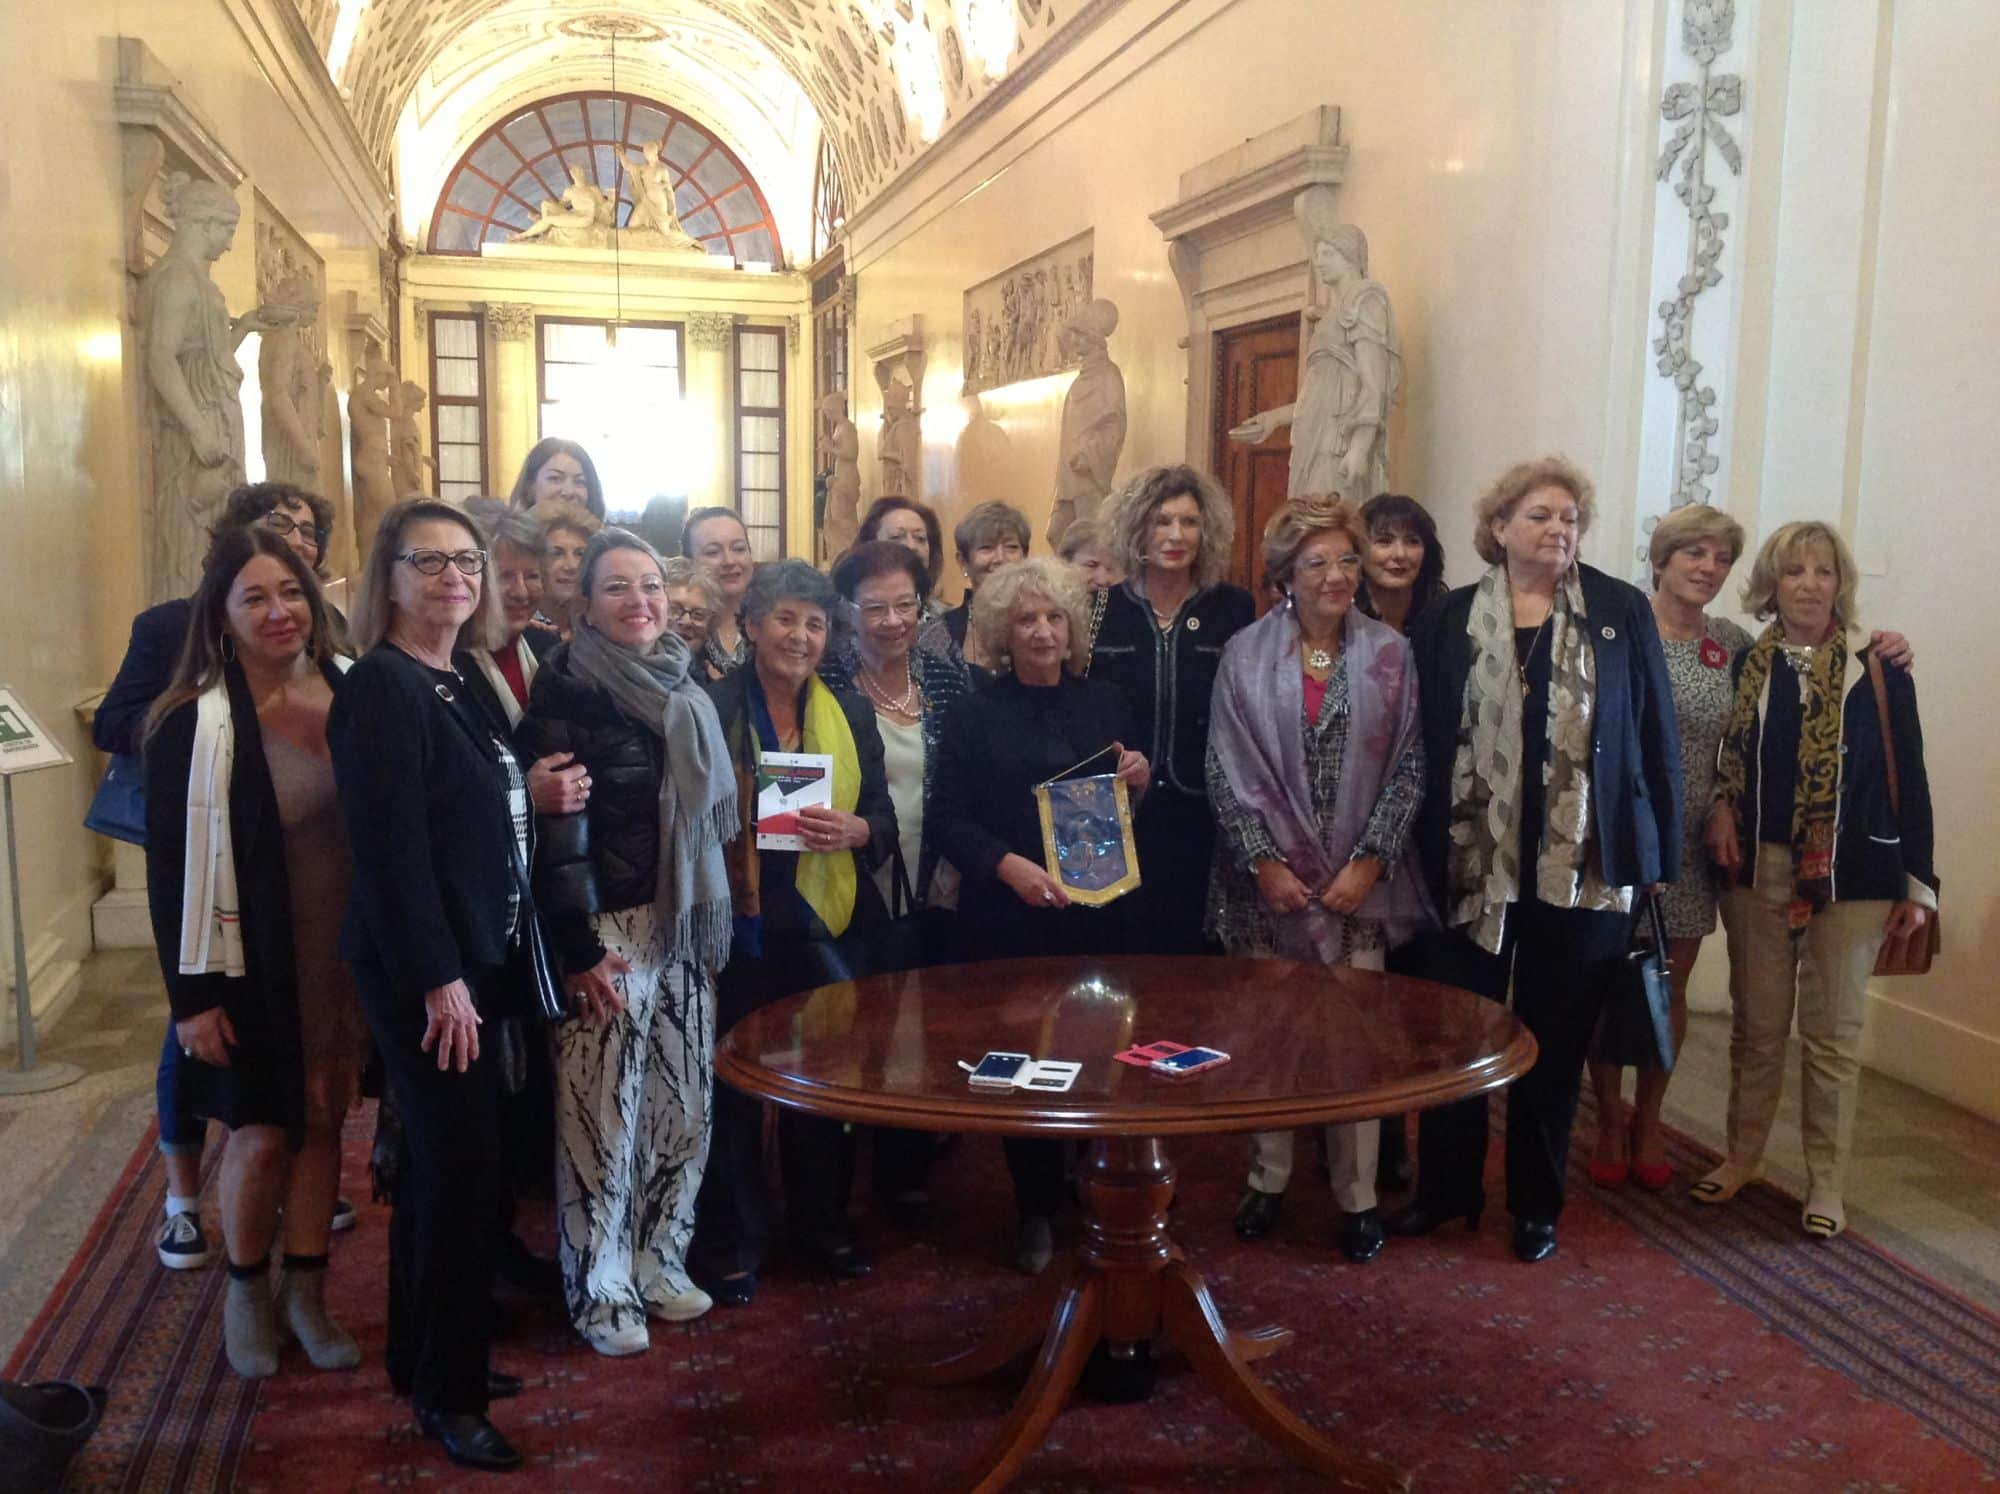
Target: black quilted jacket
[{"x": 606, "y": 857}]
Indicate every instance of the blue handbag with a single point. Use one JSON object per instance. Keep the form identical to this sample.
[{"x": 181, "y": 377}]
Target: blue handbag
[{"x": 119, "y": 809}]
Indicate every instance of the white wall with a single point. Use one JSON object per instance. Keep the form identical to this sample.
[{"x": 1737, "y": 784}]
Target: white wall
[{"x": 1501, "y": 162}]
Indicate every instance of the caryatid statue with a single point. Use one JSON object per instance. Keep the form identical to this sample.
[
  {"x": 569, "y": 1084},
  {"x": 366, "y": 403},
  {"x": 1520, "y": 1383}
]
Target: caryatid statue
[
  {"x": 371, "y": 404},
  {"x": 288, "y": 377},
  {"x": 840, "y": 447},
  {"x": 1093, "y": 418},
  {"x": 900, "y": 447},
  {"x": 195, "y": 405},
  {"x": 406, "y": 442},
  {"x": 1353, "y": 363}
]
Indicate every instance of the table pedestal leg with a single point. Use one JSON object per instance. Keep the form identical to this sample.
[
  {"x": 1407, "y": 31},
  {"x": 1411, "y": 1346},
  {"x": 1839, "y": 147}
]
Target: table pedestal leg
[{"x": 1127, "y": 1284}]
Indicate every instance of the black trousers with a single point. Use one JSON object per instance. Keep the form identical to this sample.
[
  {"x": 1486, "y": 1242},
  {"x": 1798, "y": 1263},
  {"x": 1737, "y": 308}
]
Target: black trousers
[
  {"x": 1562, "y": 965},
  {"x": 441, "y": 1230},
  {"x": 815, "y": 1155}
]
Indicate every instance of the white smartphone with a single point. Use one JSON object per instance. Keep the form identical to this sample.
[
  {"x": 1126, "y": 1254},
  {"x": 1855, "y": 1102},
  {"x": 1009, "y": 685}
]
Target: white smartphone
[{"x": 997, "y": 1070}]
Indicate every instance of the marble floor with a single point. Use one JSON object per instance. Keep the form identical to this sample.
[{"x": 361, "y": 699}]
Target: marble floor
[{"x": 1925, "y": 1183}]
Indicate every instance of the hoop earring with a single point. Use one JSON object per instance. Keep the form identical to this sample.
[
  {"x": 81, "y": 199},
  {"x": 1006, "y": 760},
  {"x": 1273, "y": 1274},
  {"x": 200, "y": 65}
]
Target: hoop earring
[{"x": 227, "y": 648}]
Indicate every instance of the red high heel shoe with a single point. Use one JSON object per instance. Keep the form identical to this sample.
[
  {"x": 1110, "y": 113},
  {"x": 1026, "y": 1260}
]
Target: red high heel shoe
[
  {"x": 1654, "y": 1177},
  {"x": 1608, "y": 1174}
]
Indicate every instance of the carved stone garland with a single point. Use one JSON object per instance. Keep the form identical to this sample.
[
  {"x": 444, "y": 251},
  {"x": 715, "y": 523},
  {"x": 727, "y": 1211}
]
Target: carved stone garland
[{"x": 1699, "y": 108}]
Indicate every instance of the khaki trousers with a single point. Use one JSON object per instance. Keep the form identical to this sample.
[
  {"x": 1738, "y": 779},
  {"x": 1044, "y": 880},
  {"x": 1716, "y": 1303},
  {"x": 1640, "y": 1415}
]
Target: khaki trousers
[
  {"x": 1824, "y": 975},
  {"x": 1351, "y": 1150}
]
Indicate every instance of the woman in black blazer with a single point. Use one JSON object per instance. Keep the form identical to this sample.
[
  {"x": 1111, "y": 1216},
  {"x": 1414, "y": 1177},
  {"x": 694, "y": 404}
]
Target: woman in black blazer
[
  {"x": 437, "y": 812},
  {"x": 245, "y": 908},
  {"x": 1551, "y": 801}
]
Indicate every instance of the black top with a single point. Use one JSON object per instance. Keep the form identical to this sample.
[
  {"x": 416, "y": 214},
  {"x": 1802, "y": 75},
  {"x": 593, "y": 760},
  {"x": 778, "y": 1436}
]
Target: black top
[
  {"x": 1635, "y": 736},
  {"x": 1778, "y": 756},
  {"x": 1168, "y": 675},
  {"x": 607, "y": 856},
  {"x": 1531, "y": 653},
  {"x": 428, "y": 821},
  {"x": 998, "y": 744},
  {"x": 956, "y": 618},
  {"x": 782, "y": 910}
]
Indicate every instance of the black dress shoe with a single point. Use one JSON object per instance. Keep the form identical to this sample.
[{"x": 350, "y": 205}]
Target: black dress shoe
[
  {"x": 1361, "y": 1236},
  {"x": 1534, "y": 1240},
  {"x": 734, "y": 1291},
  {"x": 470, "y": 1440},
  {"x": 502, "y": 1387},
  {"x": 1421, "y": 1218},
  {"x": 1258, "y": 1214}
]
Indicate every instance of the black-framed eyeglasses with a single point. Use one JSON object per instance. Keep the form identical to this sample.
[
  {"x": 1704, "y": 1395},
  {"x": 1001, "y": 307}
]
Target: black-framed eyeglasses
[
  {"x": 282, "y": 523},
  {"x": 433, "y": 562}
]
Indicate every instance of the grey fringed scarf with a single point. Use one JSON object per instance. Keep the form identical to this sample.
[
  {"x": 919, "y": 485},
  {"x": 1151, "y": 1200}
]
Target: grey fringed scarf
[{"x": 697, "y": 790}]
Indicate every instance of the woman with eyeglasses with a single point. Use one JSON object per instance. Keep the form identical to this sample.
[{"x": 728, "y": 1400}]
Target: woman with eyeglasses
[
  {"x": 439, "y": 820},
  {"x": 693, "y": 602}
]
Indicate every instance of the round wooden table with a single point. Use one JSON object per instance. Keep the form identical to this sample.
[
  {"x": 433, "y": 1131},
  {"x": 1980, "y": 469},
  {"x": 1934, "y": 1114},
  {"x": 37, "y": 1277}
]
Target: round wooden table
[{"x": 1309, "y": 1046}]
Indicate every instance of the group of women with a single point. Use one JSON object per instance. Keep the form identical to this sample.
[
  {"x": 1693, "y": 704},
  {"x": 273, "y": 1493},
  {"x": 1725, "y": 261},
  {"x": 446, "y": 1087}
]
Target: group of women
[{"x": 515, "y": 791}]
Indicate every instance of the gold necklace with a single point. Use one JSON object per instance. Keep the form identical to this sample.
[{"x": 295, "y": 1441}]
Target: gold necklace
[{"x": 1521, "y": 665}]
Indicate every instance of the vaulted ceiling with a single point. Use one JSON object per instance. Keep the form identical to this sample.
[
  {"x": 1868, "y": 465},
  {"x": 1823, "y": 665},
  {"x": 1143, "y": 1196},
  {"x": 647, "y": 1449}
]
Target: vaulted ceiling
[{"x": 883, "y": 78}]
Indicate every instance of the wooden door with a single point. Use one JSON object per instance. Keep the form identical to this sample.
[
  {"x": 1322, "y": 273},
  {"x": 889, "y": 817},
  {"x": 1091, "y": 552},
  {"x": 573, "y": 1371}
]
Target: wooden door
[{"x": 1257, "y": 367}]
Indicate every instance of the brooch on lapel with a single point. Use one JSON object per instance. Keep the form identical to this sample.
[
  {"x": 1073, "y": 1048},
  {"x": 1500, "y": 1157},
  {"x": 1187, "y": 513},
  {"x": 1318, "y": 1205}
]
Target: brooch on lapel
[
  {"x": 1194, "y": 624},
  {"x": 1713, "y": 654},
  {"x": 443, "y": 694},
  {"x": 1609, "y": 632}
]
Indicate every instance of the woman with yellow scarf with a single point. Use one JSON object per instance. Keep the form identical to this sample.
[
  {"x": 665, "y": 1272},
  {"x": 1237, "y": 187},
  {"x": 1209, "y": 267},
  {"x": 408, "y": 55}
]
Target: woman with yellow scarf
[{"x": 800, "y": 919}]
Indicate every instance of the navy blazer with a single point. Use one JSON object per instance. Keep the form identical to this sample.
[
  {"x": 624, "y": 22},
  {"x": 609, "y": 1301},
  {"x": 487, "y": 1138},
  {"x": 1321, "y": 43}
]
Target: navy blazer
[
  {"x": 425, "y": 798},
  {"x": 1878, "y": 847},
  {"x": 158, "y": 635},
  {"x": 1635, "y": 740}
]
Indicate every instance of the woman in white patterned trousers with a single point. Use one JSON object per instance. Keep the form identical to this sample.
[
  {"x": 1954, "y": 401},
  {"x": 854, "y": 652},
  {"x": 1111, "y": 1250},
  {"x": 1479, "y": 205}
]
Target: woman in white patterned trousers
[{"x": 637, "y": 898}]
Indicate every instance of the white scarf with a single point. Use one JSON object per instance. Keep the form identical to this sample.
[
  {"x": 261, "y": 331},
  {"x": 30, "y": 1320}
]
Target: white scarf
[
  {"x": 211, "y": 920},
  {"x": 529, "y": 664}
]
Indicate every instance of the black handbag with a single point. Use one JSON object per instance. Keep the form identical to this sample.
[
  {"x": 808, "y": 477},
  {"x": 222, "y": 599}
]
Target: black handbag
[
  {"x": 1655, "y": 980},
  {"x": 119, "y": 807}
]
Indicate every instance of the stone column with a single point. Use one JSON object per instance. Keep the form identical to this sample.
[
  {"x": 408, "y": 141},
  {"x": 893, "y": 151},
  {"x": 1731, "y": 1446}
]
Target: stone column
[
  {"x": 513, "y": 417},
  {"x": 711, "y": 407}
]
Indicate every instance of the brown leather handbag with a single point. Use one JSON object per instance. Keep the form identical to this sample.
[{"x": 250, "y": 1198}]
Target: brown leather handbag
[{"x": 1910, "y": 954}]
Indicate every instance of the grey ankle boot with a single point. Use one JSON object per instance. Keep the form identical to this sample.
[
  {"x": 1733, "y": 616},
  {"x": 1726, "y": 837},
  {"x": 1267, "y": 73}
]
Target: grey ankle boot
[
  {"x": 250, "y": 1327},
  {"x": 301, "y": 1308}
]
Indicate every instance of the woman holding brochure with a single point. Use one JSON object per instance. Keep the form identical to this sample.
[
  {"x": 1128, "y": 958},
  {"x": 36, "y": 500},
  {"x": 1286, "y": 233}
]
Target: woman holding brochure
[
  {"x": 800, "y": 918},
  {"x": 1038, "y": 721}
]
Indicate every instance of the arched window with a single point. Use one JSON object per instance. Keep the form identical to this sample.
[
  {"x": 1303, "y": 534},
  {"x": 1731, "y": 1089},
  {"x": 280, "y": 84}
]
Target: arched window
[{"x": 499, "y": 185}]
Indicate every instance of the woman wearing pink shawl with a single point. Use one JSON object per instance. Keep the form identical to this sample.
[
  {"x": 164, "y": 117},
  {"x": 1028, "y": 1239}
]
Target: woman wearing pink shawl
[{"x": 1315, "y": 768}]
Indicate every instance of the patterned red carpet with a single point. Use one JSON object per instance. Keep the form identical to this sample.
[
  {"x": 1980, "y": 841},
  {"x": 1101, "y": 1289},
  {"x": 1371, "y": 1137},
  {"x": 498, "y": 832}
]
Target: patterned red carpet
[{"x": 1662, "y": 1347}]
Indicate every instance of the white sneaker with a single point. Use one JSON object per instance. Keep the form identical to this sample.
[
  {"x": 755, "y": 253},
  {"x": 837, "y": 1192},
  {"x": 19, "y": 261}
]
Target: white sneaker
[
  {"x": 181, "y": 1244},
  {"x": 343, "y": 1216},
  {"x": 617, "y": 1343},
  {"x": 681, "y": 1307}
]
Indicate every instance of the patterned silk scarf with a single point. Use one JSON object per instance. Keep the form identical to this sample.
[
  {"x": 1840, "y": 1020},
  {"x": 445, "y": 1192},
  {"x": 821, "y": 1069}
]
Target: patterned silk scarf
[
  {"x": 1821, "y": 679},
  {"x": 1485, "y": 871}
]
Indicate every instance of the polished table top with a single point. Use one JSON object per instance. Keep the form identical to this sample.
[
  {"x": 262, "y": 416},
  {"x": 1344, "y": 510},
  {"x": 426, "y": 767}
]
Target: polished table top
[{"x": 1307, "y": 1044}]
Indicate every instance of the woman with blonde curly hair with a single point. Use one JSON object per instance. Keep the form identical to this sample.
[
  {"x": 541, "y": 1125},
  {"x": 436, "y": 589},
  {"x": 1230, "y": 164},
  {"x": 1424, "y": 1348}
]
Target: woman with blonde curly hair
[
  {"x": 1315, "y": 768},
  {"x": 569, "y": 527},
  {"x": 1159, "y": 637},
  {"x": 1036, "y": 721},
  {"x": 1552, "y": 795}
]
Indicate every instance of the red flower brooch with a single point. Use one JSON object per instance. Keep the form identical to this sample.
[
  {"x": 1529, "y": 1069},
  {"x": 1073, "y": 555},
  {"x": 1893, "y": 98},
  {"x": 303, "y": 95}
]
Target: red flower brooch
[{"x": 1713, "y": 654}]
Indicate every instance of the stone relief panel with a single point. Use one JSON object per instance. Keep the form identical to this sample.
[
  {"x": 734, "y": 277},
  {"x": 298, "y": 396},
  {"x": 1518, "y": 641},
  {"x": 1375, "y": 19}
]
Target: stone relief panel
[{"x": 1013, "y": 322}]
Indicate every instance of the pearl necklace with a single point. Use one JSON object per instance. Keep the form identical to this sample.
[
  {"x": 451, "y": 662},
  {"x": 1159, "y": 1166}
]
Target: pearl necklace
[{"x": 906, "y": 706}]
